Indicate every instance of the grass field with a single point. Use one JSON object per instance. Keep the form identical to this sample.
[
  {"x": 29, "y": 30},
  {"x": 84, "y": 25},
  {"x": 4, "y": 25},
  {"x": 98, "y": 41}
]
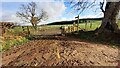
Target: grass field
[
  {"x": 92, "y": 25},
  {"x": 95, "y": 24}
]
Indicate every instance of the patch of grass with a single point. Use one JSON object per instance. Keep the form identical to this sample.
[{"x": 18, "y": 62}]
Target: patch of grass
[
  {"x": 50, "y": 26},
  {"x": 90, "y": 25},
  {"x": 118, "y": 24},
  {"x": 16, "y": 40},
  {"x": 10, "y": 38}
]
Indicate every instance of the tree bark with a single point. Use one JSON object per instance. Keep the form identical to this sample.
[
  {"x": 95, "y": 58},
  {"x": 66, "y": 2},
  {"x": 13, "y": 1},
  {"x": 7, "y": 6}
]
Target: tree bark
[{"x": 109, "y": 21}]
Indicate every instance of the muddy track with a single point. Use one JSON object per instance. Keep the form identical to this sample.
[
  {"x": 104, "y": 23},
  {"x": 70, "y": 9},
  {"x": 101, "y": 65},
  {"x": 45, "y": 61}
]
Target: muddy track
[{"x": 60, "y": 51}]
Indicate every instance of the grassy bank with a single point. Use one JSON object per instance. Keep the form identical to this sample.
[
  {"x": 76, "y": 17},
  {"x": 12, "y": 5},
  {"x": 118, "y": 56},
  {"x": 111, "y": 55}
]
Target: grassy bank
[{"x": 12, "y": 38}]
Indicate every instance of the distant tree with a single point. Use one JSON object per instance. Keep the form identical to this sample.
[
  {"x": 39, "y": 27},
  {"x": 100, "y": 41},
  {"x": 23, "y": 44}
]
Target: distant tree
[{"x": 28, "y": 13}]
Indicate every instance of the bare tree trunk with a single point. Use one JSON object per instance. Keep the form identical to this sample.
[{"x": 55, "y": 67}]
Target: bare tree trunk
[{"x": 109, "y": 21}]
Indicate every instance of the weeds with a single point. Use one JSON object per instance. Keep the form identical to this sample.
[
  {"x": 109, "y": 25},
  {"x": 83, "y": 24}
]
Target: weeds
[
  {"x": 9, "y": 39},
  {"x": 16, "y": 40}
]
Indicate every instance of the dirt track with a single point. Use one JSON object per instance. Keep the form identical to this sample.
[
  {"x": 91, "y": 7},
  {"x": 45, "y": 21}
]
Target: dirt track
[{"x": 73, "y": 52}]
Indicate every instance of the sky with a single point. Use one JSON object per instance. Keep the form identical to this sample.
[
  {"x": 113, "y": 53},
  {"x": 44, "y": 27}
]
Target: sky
[{"x": 57, "y": 10}]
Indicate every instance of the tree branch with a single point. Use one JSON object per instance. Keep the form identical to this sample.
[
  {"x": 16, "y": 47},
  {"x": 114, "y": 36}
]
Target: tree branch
[{"x": 101, "y": 6}]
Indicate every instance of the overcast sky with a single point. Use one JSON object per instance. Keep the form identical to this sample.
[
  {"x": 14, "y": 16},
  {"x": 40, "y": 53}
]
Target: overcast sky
[{"x": 57, "y": 10}]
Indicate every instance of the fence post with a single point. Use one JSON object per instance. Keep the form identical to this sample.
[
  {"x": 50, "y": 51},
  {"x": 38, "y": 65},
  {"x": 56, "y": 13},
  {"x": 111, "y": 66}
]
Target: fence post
[
  {"x": 90, "y": 24},
  {"x": 23, "y": 28},
  {"x": 28, "y": 30},
  {"x": 85, "y": 24},
  {"x": 77, "y": 23}
]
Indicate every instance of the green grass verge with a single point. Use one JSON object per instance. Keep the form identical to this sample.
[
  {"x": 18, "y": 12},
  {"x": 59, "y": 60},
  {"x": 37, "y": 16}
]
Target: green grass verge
[{"x": 7, "y": 44}]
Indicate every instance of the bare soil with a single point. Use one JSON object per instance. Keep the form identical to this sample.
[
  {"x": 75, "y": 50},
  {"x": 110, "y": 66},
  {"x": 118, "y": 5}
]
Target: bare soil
[{"x": 60, "y": 51}]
